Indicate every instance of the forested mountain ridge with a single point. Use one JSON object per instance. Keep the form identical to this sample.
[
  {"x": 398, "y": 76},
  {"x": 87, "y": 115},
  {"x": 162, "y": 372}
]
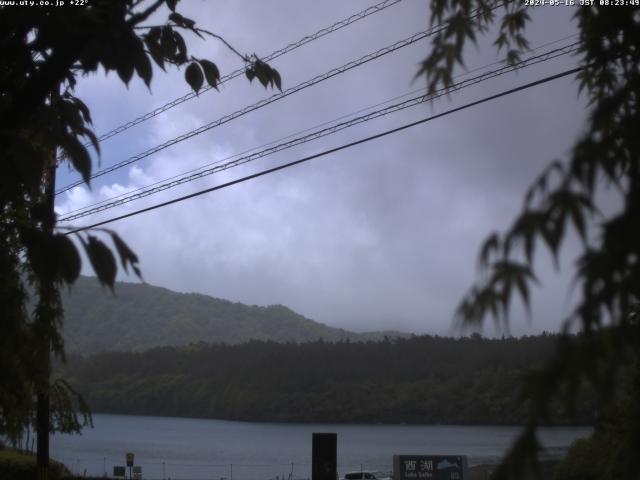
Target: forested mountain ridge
[
  {"x": 141, "y": 316},
  {"x": 416, "y": 380}
]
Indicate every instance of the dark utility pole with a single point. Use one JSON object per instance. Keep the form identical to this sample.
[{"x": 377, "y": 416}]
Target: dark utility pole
[{"x": 47, "y": 298}]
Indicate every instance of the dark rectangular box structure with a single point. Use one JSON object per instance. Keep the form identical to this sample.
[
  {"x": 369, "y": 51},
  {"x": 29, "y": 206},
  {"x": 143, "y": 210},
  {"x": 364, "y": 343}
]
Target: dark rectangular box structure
[{"x": 324, "y": 454}]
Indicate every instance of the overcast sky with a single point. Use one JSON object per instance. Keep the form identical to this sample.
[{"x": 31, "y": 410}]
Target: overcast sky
[{"x": 380, "y": 236}]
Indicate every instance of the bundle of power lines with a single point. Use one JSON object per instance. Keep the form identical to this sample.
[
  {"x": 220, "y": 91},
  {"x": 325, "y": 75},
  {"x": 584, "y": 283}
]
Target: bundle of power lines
[{"x": 558, "y": 48}]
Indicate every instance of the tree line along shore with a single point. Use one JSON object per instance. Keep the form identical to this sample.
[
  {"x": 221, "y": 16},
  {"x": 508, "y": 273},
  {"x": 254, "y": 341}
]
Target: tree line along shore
[{"x": 421, "y": 379}]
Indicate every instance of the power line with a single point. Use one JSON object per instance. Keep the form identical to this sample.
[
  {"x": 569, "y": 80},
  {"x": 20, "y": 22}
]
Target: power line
[
  {"x": 292, "y": 46},
  {"x": 301, "y": 86},
  {"x": 412, "y": 102},
  {"x": 332, "y": 150},
  {"x": 263, "y": 103},
  {"x": 197, "y": 170}
]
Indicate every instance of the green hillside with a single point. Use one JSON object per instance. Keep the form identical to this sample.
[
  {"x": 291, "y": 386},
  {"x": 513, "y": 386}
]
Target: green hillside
[{"x": 141, "y": 316}]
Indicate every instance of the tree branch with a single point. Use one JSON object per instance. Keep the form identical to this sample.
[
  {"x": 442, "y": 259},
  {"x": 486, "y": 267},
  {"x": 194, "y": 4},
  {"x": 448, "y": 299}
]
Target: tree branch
[
  {"x": 142, "y": 16},
  {"x": 227, "y": 44}
]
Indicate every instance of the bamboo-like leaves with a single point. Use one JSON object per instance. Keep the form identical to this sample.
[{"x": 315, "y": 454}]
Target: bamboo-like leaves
[
  {"x": 69, "y": 411},
  {"x": 508, "y": 275},
  {"x": 608, "y": 270},
  {"x": 557, "y": 208},
  {"x": 489, "y": 247}
]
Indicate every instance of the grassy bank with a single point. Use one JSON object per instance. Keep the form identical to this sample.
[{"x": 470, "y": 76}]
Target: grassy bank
[{"x": 20, "y": 466}]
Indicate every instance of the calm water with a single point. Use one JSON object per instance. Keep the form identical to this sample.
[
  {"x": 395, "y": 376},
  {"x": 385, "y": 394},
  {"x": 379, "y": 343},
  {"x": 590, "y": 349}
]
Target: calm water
[{"x": 185, "y": 448}]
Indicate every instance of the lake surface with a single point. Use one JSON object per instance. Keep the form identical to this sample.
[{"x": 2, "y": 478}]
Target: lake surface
[{"x": 189, "y": 448}]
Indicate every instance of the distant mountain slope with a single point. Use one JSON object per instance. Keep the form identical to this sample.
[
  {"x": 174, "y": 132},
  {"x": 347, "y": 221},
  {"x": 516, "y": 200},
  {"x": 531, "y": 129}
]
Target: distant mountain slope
[{"x": 141, "y": 316}]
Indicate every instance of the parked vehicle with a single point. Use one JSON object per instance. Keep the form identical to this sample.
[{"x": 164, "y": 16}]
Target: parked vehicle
[{"x": 366, "y": 475}]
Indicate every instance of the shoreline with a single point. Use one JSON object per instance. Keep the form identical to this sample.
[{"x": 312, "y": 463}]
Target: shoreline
[{"x": 339, "y": 423}]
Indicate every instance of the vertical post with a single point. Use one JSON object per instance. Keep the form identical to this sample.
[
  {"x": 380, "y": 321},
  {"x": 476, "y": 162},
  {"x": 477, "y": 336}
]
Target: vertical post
[
  {"x": 231, "y": 471},
  {"x": 324, "y": 456},
  {"x": 42, "y": 424},
  {"x": 163, "y": 471},
  {"x": 47, "y": 294},
  {"x": 104, "y": 466}
]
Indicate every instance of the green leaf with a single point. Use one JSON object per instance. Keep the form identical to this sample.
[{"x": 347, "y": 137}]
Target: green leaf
[
  {"x": 276, "y": 78},
  {"x": 176, "y": 18},
  {"x": 69, "y": 262},
  {"x": 182, "y": 21},
  {"x": 152, "y": 41},
  {"x": 84, "y": 110},
  {"x": 39, "y": 253},
  {"x": 127, "y": 256},
  {"x": 490, "y": 246},
  {"x": 102, "y": 260},
  {"x": 193, "y": 76},
  {"x": 142, "y": 63},
  {"x": 167, "y": 43},
  {"x": 261, "y": 71},
  {"x": 125, "y": 68},
  {"x": 92, "y": 138},
  {"x": 513, "y": 57},
  {"x": 250, "y": 73},
  {"x": 523, "y": 288},
  {"x": 181, "y": 55},
  {"x": 211, "y": 72},
  {"x": 78, "y": 155},
  {"x": 70, "y": 115}
]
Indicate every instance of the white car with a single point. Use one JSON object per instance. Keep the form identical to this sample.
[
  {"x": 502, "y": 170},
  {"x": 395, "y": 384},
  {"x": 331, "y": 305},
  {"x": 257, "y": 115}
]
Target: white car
[{"x": 366, "y": 475}]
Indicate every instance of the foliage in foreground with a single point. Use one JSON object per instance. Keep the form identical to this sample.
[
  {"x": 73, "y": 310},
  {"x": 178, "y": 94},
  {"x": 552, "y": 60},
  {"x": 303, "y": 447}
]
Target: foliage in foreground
[
  {"x": 567, "y": 195},
  {"x": 607, "y": 453},
  {"x": 19, "y": 466},
  {"x": 44, "y": 50}
]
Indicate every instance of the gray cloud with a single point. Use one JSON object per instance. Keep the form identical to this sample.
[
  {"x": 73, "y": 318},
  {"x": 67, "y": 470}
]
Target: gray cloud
[{"x": 383, "y": 235}]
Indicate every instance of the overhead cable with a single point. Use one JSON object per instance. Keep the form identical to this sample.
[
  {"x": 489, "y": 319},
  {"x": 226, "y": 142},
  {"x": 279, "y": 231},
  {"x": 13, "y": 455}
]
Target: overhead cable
[
  {"x": 292, "y": 46},
  {"x": 411, "y": 102},
  {"x": 309, "y": 129},
  {"x": 262, "y": 103},
  {"x": 278, "y": 96},
  {"x": 329, "y": 151}
]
